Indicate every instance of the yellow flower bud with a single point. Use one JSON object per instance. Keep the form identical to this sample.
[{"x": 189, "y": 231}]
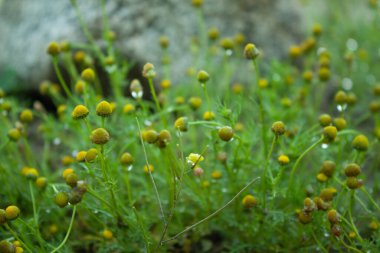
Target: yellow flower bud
[
  {"x": 88, "y": 75},
  {"x": 100, "y": 136},
  {"x": 80, "y": 112},
  {"x": 104, "y": 109}
]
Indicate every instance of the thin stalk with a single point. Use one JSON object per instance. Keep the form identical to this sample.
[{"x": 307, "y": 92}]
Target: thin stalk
[
  {"x": 88, "y": 125},
  {"x": 150, "y": 174},
  {"x": 352, "y": 201},
  {"x": 99, "y": 198},
  {"x": 202, "y": 36},
  {"x": 16, "y": 237},
  {"x": 277, "y": 179},
  {"x": 265, "y": 171},
  {"x": 348, "y": 246},
  {"x": 261, "y": 108},
  {"x": 87, "y": 33},
  {"x": 298, "y": 161},
  {"x": 106, "y": 178},
  {"x": 345, "y": 188},
  {"x": 128, "y": 185},
  {"x": 143, "y": 231},
  {"x": 203, "y": 122},
  {"x": 68, "y": 231},
  {"x": 206, "y": 95},
  {"x": 35, "y": 215},
  {"x": 176, "y": 197},
  {"x": 166, "y": 66},
  {"x": 154, "y": 95},
  {"x": 106, "y": 28},
  {"x": 370, "y": 198},
  {"x": 60, "y": 78},
  {"x": 214, "y": 213},
  {"x": 70, "y": 66},
  {"x": 317, "y": 241},
  {"x": 28, "y": 152},
  {"x": 86, "y": 93},
  {"x": 226, "y": 77},
  {"x": 32, "y": 229}
]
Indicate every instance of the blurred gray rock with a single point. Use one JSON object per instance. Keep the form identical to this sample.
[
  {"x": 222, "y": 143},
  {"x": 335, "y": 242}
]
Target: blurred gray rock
[{"x": 26, "y": 27}]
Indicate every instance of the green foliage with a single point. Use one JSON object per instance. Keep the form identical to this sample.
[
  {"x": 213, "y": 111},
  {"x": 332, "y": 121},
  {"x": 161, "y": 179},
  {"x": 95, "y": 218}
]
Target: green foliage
[{"x": 183, "y": 187}]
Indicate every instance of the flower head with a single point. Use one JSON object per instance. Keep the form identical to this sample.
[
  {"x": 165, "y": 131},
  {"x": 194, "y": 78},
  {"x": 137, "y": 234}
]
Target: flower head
[{"x": 194, "y": 158}]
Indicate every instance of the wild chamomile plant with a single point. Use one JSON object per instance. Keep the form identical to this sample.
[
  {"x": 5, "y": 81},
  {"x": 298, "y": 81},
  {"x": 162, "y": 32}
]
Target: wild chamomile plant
[{"x": 281, "y": 152}]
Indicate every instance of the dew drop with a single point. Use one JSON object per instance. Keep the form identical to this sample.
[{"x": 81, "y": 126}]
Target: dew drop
[
  {"x": 324, "y": 146},
  {"x": 229, "y": 52},
  {"x": 352, "y": 44},
  {"x": 347, "y": 83},
  {"x": 321, "y": 50},
  {"x": 57, "y": 141}
]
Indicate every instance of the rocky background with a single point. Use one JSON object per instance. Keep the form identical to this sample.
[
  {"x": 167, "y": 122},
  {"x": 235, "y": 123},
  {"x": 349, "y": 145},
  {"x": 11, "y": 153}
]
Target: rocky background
[{"x": 26, "y": 27}]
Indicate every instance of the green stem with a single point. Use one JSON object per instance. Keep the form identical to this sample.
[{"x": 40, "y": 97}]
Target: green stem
[
  {"x": 176, "y": 197},
  {"x": 28, "y": 152},
  {"x": 68, "y": 231},
  {"x": 35, "y": 215},
  {"x": 345, "y": 188},
  {"x": 261, "y": 108},
  {"x": 107, "y": 180},
  {"x": 203, "y": 123},
  {"x": 92, "y": 193},
  {"x": 226, "y": 78},
  {"x": 60, "y": 78},
  {"x": 106, "y": 28},
  {"x": 298, "y": 161},
  {"x": 143, "y": 231},
  {"x": 150, "y": 174},
  {"x": 206, "y": 95},
  {"x": 67, "y": 58},
  {"x": 352, "y": 201},
  {"x": 154, "y": 96},
  {"x": 265, "y": 171},
  {"x": 348, "y": 246},
  {"x": 166, "y": 66},
  {"x": 317, "y": 241},
  {"x": 370, "y": 198},
  {"x": 202, "y": 36},
  {"x": 16, "y": 237},
  {"x": 88, "y": 125},
  {"x": 87, "y": 33},
  {"x": 214, "y": 213},
  {"x": 277, "y": 179},
  {"x": 128, "y": 185}
]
